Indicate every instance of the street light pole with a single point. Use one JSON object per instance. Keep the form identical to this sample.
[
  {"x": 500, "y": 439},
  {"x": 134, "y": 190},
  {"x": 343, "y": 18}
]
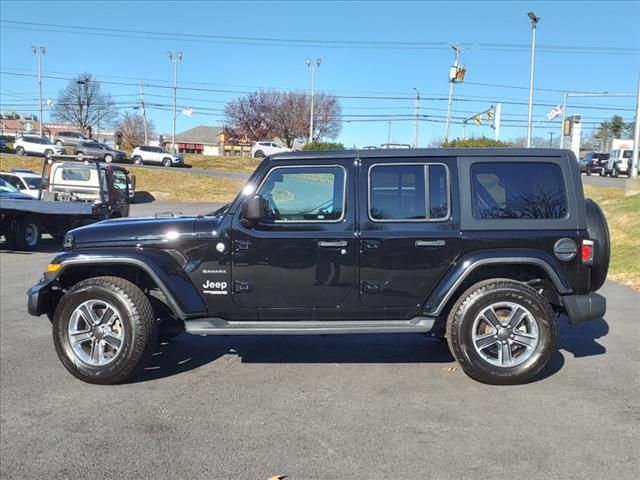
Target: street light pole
[
  {"x": 38, "y": 52},
  {"x": 550, "y": 139},
  {"x": 416, "y": 132},
  {"x": 534, "y": 24},
  {"x": 313, "y": 83},
  {"x": 389, "y": 135},
  {"x": 636, "y": 135},
  {"x": 175, "y": 93},
  {"x": 144, "y": 113},
  {"x": 452, "y": 79}
]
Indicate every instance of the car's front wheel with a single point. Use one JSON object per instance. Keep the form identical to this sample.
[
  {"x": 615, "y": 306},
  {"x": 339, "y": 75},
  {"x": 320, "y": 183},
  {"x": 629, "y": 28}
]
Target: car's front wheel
[
  {"x": 137, "y": 160},
  {"x": 104, "y": 330},
  {"x": 108, "y": 158},
  {"x": 259, "y": 154},
  {"x": 167, "y": 162},
  {"x": 502, "y": 332},
  {"x": 20, "y": 151}
]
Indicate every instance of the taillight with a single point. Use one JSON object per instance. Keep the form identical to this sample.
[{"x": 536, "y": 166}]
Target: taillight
[{"x": 587, "y": 251}]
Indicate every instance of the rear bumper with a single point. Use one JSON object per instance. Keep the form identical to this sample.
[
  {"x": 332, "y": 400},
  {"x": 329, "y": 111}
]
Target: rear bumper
[
  {"x": 582, "y": 308},
  {"x": 40, "y": 298}
]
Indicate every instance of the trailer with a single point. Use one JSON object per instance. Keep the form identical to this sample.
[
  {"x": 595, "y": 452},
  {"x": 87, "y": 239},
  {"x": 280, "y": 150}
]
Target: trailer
[{"x": 64, "y": 202}]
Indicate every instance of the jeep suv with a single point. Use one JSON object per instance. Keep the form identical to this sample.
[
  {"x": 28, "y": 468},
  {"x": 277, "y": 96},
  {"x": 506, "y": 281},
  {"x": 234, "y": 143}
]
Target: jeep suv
[
  {"x": 69, "y": 139},
  {"x": 158, "y": 155},
  {"x": 483, "y": 247},
  {"x": 34, "y": 145}
]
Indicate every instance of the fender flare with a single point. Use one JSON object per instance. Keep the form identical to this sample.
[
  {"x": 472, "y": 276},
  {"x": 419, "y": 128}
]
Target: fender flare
[
  {"x": 180, "y": 293},
  {"x": 469, "y": 263}
]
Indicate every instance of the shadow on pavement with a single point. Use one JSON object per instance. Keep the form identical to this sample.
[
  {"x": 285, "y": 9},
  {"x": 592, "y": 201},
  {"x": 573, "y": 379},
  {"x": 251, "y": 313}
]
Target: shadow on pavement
[
  {"x": 581, "y": 339},
  {"x": 186, "y": 352},
  {"x": 144, "y": 197},
  {"x": 47, "y": 245}
]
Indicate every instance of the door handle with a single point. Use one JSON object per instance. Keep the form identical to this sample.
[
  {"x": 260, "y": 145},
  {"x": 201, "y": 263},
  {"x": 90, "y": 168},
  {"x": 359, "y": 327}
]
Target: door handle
[
  {"x": 332, "y": 244},
  {"x": 430, "y": 243}
]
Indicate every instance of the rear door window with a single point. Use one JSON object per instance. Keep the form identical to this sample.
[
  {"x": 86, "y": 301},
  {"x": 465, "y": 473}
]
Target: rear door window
[{"x": 518, "y": 190}]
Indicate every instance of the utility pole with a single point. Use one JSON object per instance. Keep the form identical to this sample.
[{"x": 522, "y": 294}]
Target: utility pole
[
  {"x": 453, "y": 72},
  {"x": 550, "y": 139},
  {"x": 564, "y": 116},
  {"x": 416, "y": 132},
  {"x": 636, "y": 135},
  {"x": 313, "y": 82},
  {"x": 39, "y": 52},
  {"x": 534, "y": 24},
  {"x": 389, "y": 135},
  {"x": 175, "y": 93},
  {"x": 144, "y": 113}
]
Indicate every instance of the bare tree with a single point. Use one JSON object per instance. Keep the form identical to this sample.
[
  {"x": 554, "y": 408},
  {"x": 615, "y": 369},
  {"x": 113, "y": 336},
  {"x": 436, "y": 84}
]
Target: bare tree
[
  {"x": 132, "y": 128},
  {"x": 83, "y": 103},
  {"x": 267, "y": 114}
]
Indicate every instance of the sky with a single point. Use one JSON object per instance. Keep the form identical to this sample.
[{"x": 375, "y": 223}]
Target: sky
[{"x": 374, "y": 54}]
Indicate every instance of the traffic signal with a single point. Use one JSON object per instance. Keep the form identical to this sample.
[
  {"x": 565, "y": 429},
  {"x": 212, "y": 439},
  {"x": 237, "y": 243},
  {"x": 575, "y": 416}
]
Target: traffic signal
[
  {"x": 566, "y": 127},
  {"x": 478, "y": 119},
  {"x": 489, "y": 114}
]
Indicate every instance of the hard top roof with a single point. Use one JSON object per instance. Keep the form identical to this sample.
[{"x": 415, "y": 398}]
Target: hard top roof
[{"x": 420, "y": 152}]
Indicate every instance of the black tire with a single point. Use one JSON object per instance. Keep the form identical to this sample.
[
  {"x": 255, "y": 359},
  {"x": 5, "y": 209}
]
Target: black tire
[
  {"x": 614, "y": 173},
  {"x": 137, "y": 323},
  {"x": 598, "y": 231},
  {"x": 166, "y": 162},
  {"x": 108, "y": 158},
  {"x": 48, "y": 154},
  {"x": 471, "y": 303},
  {"x": 588, "y": 172},
  {"x": 27, "y": 233},
  {"x": 79, "y": 155},
  {"x": 259, "y": 154},
  {"x": 137, "y": 160},
  {"x": 20, "y": 151}
]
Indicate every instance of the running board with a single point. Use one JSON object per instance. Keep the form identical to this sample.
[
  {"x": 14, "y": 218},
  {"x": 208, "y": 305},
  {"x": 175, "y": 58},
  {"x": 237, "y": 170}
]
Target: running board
[{"x": 218, "y": 326}]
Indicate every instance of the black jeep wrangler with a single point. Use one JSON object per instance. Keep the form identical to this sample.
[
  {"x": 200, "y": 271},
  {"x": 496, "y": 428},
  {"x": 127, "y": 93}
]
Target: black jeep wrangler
[{"x": 483, "y": 247}]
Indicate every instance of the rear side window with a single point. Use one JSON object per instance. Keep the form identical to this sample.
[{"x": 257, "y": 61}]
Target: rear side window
[
  {"x": 518, "y": 191},
  {"x": 76, "y": 174},
  {"x": 416, "y": 192}
]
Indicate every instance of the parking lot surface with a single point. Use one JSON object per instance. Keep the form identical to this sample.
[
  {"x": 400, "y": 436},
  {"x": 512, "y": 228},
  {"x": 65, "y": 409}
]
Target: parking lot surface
[{"x": 344, "y": 407}]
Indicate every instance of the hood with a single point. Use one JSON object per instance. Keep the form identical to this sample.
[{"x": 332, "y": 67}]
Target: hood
[
  {"x": 15, "y": 196},
  {"x": 134, "y": 231}
]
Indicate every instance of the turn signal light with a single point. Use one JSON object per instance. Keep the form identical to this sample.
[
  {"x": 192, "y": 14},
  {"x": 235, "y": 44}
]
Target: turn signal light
[
  {"x": 53, "y": 267},
  {"x": 587, "y": 251}
]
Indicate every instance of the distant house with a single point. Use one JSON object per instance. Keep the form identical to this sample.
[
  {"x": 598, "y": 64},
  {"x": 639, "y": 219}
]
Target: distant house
[{"x": 203, "y": 140}]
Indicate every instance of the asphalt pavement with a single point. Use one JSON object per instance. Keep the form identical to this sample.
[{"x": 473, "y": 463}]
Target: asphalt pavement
[{"x": 343, "y": 407}]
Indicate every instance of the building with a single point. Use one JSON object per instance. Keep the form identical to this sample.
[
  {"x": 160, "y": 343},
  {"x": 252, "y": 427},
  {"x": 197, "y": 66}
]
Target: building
[{"x": 203, "y": 140}]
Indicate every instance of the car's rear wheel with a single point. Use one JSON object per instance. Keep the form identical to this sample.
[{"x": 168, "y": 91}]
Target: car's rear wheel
[
  {"x": 502, "y": 332},
  {"x": 259, "y": 154},
  {"x": 59, "y": 143},
  {"x": 80, "y": 155},
  {"x": 20, "y": 151},
  {"x": 137, "y": 160},
  {"x": 108, "y": 158},
  {"x": 614, "y": 173},
  {"x": 27, "y": 233},
  {"x": 167, "y": 162},
  {"x": 104, "y": 330}
]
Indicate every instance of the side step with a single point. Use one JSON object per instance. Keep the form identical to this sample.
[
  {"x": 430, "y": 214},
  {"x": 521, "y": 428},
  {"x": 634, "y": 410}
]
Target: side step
[{"x": 218, "y": 326}]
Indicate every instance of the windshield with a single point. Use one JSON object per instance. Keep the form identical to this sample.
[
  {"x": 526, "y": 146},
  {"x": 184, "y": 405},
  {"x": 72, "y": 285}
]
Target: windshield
[
  {"x": 219, "y": 212},
  {"x": 7, "y": 187},
  {"x": 33, "y": 182}
]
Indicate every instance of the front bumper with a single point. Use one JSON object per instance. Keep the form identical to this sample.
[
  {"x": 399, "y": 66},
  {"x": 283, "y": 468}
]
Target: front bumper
[
  {"x": 41, "y": 298},
  {"x": 582, "y": 308}
]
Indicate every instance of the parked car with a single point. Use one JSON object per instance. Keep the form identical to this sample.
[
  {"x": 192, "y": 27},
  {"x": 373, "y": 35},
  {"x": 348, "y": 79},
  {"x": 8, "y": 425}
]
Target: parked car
[
  {"x": 618, "y": 163},
  {"x": 593, "y": 162},
  {"x": 3, "y": 145},
  {"x": 69, "y": 139},
  {"x": 34, "y": 145},
  {"x": 158, "y": 155},
  {"x": 99, "y": 151},
  {"x": 8, "y": 191},
  {"x": 484, "y": 247},
  {"x": 26, "y": 181},
  {"x": 264, "y": 149}
]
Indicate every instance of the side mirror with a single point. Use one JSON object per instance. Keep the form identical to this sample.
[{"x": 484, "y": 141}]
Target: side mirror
[{"x": 253, "y": 209}]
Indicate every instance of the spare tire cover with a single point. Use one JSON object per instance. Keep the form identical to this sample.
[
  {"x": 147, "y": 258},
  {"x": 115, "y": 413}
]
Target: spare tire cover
[{"x": 599, "y": 231}]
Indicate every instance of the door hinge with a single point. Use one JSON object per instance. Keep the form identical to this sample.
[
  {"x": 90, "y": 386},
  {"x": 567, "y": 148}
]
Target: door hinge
[
  {"x": 370, "y": 287},
  {"x": 241, "y": 287},
  {"x": 239, "y": 245}
]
